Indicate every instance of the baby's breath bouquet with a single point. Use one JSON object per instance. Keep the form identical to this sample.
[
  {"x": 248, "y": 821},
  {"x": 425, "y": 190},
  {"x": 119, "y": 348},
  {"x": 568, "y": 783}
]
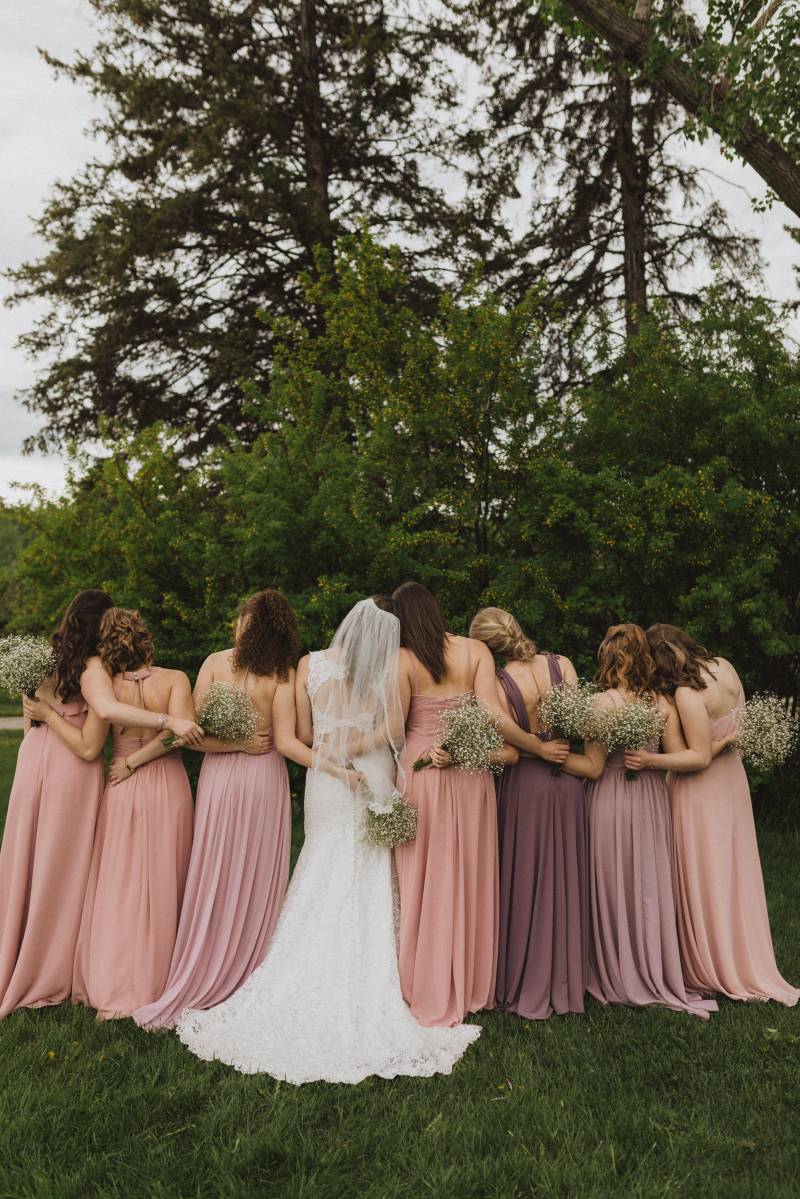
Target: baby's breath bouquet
[
  {"x": 25, "y": 663},
  {"x": 566, "y": 712},
  {"x": 392, "y": 823},
  {"x": 471, "y": 735},
  {"x": 766, "y": 734},
  {"x": 631, "y": 726},
  {"x": 227, "y": 714}
]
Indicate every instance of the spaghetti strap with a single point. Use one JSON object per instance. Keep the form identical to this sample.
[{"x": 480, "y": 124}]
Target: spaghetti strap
[{"x": 554, "y": 666}]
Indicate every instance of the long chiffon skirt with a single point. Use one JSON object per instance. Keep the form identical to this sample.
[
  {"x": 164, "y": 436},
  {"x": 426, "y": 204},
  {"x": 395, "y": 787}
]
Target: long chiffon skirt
[
  {"x": 723, "y": 923},
  {"x": 44, "y": 866},
  {"x": 448, "y": 881},
  {"x": 237, "y": 880},
  {"x": 633, "y": 949},
  {"x": 135, "y": 890},
  {"x": 544, "y": 893}
]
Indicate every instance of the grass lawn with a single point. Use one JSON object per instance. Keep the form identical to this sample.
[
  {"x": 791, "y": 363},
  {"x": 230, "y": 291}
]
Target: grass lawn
[{"x": 613, "y": 1103}]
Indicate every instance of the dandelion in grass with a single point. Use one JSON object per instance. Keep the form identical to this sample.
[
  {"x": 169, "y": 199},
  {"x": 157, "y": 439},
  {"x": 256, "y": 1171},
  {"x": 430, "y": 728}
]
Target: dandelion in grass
[
  {"x": 632, "y": 725},
  {"x": 390, "y": 823},
  {"x": 567, "y": 712},
  {"x": 766, "y": 733},
  {"x": 25, "y": 663},
  {"x": 471, "y": 735},
  {"x": 227, "y": 714}
]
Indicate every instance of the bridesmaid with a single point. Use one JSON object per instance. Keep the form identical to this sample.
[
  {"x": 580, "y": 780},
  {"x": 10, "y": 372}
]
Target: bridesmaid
[
  {"x": 239, "y": 867},
  {"x": 544, "y": 912},
  {"x": 723, "y": 923},
  {"x": 448, "y": 876},
  {"x": 634, "y": 956},
  {"x": 144, "y": 835},
  {"x": 52, "y": 811}
]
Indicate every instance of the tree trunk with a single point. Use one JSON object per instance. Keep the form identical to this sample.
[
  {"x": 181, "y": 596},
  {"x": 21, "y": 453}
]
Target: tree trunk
[
  {"x": 320, "y": 228},
  {"x": 632, "y": 39},
  {"x": 632, "y": 170}
]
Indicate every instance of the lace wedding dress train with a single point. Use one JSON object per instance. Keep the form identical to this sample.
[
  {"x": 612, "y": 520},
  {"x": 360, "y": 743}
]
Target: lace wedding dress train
[{"x": 325, "y": 1004}]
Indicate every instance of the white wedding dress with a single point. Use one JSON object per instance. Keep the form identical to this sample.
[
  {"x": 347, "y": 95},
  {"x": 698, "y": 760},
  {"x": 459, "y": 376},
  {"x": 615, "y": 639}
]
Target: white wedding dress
[{"x": 326, "y": 1005}]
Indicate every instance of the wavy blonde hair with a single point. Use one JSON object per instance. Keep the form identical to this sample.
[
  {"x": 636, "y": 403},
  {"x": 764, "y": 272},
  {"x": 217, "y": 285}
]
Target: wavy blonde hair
[
  {"x": 624, "y": 659},
  {"x": 503, "y": 633},
  {"x": 126, "y": 643}
]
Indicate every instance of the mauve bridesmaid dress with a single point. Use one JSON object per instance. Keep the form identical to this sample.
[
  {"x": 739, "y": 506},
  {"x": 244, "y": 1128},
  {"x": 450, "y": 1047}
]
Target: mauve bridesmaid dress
[
  {"x": 544, "y": 892},
  {"x": 238, "y": 874},
  {"x": 44, "y": 865},
  {"x": 137, "y": 877},
  {"x": 723, "y": 925},
  {"x": 448, "y": 881},
  {"x": 634, "y": 956}
]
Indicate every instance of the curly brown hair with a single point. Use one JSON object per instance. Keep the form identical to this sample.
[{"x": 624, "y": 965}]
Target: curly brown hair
[
  {"x": 76, "y": 639},
  {"x": 624, "y": 660},
  {"x": 267, "y": 642},
  {"x": 679, "y": 659},
  {"x": 126, "y": 643}
]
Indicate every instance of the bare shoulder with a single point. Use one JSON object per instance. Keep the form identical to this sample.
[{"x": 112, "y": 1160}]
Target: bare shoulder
[
  {"x": 176, "y": 678},
  {"x": 473, "y": 646},
  {"x": 405, "y": 660}
]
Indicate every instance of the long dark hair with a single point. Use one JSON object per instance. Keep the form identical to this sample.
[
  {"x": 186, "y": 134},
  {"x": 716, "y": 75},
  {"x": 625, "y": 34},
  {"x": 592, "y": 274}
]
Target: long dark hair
[
  {"x": 268, "y": 642},
  {"x": 422, "y": 626},
  {"x": 624, "y": 660},
  {"x": 679, "y": 659},
  {"x": 76, "y": 639}
]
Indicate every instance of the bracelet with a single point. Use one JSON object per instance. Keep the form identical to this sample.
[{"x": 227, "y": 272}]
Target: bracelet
[
  {"x": 127, "y": 765},
  {"x": 162, "y": 720}
]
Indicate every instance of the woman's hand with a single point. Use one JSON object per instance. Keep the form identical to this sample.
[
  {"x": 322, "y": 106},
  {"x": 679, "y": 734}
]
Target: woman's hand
[
  {"x": 638, "y": 759},
  {"x": 555, "y": 752},
  {"x": 36, "y": 709},
  {"x": 439, "y": 757},
  {"x": 263, "y": 742},
  {"x": 353, "y": 778},
  {"x": 188, "y": 730},
  {"x": 722, "y": 744},
  {"x": 119, "y": 771}
]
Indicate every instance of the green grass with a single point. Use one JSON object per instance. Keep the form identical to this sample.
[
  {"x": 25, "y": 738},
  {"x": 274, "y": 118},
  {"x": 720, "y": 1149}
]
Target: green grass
[{"x": 614, "y": 1103}]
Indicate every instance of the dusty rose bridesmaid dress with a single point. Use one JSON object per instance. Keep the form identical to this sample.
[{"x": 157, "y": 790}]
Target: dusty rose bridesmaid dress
[
  {"x": 634, "y": 956},
  {"x": 544, "y": 886},
  {"x": 448, "y": 881},
  {"x": 723, "y": 925},
  {"x": 237, "y": 880},
  {"x": 137, "y": 877},
  {"x": 44, "y": 865}
]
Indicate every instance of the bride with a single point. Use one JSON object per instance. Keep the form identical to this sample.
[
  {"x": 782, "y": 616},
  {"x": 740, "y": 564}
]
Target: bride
[{"x": 325, "y": 1004}]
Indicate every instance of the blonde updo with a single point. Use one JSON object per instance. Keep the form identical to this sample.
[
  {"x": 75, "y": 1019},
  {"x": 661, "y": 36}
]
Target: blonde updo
[{"x": 503, "y": 634}]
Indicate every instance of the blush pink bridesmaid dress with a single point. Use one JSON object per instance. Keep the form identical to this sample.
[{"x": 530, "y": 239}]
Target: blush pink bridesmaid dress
[
  {"x": 448, "y": 881},
  {"x": 238, "y": 875},
  {"x": 725, "y": 938},
  {"x": 44, "y": 865},
  {"x": 138, "y": 873}
]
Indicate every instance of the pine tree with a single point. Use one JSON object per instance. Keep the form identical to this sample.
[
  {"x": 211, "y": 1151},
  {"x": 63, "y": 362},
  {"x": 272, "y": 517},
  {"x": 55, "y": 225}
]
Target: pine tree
[{"x": 237, "y": 138}]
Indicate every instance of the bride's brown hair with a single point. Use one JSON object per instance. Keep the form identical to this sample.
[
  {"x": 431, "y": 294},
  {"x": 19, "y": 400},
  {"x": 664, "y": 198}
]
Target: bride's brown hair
[
  {"x": 126, "y": 643},
  {"x": 679, "y": 659},
  {"x": 624, "y": 660}
]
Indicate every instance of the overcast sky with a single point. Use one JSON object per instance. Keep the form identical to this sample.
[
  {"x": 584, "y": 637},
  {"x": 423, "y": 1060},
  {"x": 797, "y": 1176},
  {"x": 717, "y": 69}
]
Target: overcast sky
[{"x": 43, "y": 138}]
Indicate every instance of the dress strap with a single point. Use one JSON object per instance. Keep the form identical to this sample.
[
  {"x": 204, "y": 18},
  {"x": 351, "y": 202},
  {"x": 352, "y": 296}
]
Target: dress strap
[
  {"x": 514, "y": 696},
  {"x": 554, "y": 666}
]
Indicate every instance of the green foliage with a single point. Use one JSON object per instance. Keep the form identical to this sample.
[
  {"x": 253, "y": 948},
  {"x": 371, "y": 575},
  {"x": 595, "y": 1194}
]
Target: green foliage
[{"x": 395, "y": 445}]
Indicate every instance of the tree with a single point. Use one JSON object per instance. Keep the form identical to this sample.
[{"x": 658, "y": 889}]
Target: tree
[
  {"x": 736, "y": 75},
  {"x": 616, "y": 217},
  {"x": 236, "y": 138}
]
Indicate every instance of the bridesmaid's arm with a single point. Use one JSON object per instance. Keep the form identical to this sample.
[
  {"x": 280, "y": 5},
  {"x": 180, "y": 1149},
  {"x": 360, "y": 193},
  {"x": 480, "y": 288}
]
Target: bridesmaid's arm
[
  {"x": 98, "y": 692},
  {"x": 588, "y": 765},
  {"x": 686, "y": 739},
  {"x": 180, "y": 704},
  {"x": 86, "y": 741},
  {"x": 485, "y": 686},
  {"x": 284, "y": 716},
  {"x": 304, "y": 725}
]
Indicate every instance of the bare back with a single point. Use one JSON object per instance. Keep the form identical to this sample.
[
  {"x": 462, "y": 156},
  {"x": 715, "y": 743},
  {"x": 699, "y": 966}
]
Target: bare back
[
  {"x": 153, "y": 688},
  {"x": 532, "y": 676},
  {"x": 218, "y": 668},
  {"x": 461, "y": 657},
  {"x": 723, "y": 691}
]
